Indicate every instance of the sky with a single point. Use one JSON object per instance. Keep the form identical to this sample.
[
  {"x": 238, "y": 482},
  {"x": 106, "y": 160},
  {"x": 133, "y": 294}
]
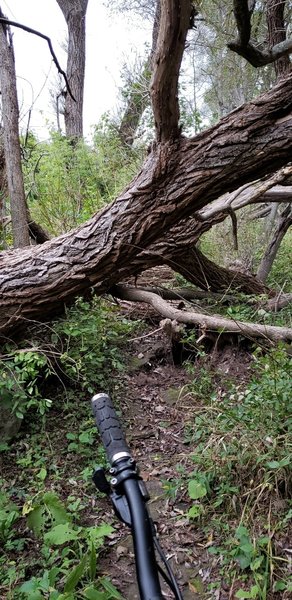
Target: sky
[{"x": 110, "y": 43}]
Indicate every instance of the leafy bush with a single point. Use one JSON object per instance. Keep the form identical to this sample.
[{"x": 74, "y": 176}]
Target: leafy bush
[
  {"x": 67, "y": 183},
  {"x": 84, "y": 348},
  {"x": 92, "y": 336}
]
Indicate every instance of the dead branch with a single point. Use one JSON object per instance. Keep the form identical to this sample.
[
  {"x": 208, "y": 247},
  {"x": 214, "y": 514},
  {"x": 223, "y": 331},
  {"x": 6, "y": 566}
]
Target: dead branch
[
  {"x": 6, "y": 21},
  {"x": 283, "y": 225},
  {"x": 205, "y": 322},
  {"x": 268, "y": 190},
  {"x": 188, "y": 294},
  {"x": 280, "y": 301}
]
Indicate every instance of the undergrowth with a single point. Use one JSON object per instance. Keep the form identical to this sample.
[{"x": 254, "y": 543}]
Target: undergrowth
[
  {"x": 77, "y": 352},
  {"x": 51, "y": 531},
  {"x": 240, "y": 485}
]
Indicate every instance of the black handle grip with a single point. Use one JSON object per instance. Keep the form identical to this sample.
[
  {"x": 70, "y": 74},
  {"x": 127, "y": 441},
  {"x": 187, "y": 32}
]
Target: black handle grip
[{"x": 109, "y": 427}]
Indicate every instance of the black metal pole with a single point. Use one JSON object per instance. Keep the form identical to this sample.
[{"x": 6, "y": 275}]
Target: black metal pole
[{"x": 146, "y": 567}]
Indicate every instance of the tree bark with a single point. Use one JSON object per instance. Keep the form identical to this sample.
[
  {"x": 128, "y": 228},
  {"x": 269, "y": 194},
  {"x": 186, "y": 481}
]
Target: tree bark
[
  {"x": 273, "y": 246},
  {"x": 175, "y": 20},
  {"x": 277, "y": 33},
  {"x": 75, "y": 14},
  {"x": 176, "y": 180},
  {"x": 11, "y": 139}
]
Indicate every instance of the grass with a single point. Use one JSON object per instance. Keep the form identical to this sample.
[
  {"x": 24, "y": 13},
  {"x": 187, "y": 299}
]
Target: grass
[
  {"x": 50, "y": 529},
  {"x": 240, "y": 481},
  {"x": 51, "y": 535}
]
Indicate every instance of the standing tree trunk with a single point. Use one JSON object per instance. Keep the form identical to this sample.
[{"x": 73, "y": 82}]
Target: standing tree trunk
[
  {"x": 277, "y": 33},
  {"x": 10, "y": 112},
  {"x": 266, "y": 263},
  {"x": 74, "y": 12},
  {"x": 139, "y": 98}
]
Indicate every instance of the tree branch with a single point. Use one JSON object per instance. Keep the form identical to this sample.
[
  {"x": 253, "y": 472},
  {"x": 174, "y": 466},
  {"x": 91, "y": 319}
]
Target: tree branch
[
  {"x": 244, "y": 47},
  {"x": 174, "y": 24},
  {"x": 44, "y": 37},
  {"x": 211, "y": 323}
]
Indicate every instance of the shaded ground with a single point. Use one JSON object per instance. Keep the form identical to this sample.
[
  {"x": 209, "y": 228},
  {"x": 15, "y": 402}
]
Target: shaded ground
[{"x": 156, "y": 410}]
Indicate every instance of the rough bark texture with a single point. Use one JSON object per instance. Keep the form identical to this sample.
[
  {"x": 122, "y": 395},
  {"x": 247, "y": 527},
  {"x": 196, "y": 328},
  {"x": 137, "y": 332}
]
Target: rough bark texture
[
  {"x": 277, "y": 33},
  {"x": 176, "y": 180},
  {"x": 75, "y": 13},
  {"x": 10, "y": 115},
  {"x": 174, "y": 23}
]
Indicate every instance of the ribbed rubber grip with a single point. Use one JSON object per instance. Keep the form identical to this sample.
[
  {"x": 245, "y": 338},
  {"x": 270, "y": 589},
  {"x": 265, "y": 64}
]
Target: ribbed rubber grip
[{"x": 109, "y": 427}]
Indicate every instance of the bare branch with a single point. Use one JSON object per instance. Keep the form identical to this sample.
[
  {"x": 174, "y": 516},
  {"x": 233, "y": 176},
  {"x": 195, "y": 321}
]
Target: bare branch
[
  {"x": 44, "y": 37},
  {"x": 244, "y": 47},
  {"x": 211, "y": 323}
]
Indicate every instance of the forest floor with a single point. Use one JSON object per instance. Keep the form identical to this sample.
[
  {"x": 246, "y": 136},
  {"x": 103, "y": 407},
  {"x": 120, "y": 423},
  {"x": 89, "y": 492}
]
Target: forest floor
[
  {"x": 203, "y": 492},
  {"x": 158, "y": 409}
]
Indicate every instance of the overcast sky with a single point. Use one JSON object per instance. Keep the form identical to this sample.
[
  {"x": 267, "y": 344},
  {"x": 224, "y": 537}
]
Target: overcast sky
[{"x": 110, "y": 42}]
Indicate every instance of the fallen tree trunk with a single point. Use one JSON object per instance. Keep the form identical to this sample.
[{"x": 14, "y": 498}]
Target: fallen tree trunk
[
  {"x": 177, "y": 179},
  {"x": 205, "y": 322}
]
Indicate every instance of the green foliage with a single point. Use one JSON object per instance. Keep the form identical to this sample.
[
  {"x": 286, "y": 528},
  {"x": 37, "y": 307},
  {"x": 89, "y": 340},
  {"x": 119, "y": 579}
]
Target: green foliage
[
  {"x": 84, "y": 544},
  {"x": 92, "y": 335},
  {"x": 242, "y": 437},
  {"x": 19, "y": 385},
  {"x": 66, "y": 183},
  {"x": 9, "y": 513},
  {"x": 85, "y": 346},
  {"x": 117, "y": 163}
]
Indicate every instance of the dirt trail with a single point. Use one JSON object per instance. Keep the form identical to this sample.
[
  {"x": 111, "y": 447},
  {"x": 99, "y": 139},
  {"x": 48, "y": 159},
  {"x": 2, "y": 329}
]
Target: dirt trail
[{"x": 155, "y": 410}]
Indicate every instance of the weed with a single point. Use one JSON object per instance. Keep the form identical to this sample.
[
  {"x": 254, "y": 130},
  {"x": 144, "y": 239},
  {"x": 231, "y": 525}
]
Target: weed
[{"x": 242, "y": 455}]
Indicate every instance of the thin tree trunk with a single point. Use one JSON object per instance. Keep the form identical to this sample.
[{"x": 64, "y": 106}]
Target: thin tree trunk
[
  {"x": 277, "y": 33},
  {"x": 11, "y": 139},
  {"x": 139, "y": 97},
  {"x": 270, "y": 254},
  {"x": 74, "y": 12}
]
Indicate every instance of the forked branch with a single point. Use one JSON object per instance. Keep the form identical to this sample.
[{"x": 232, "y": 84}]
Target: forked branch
[{"x": 242, "y": 45}]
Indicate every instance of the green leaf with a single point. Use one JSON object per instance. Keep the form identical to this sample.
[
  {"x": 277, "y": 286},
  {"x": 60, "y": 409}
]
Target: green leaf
[
  {"x": 60, "y": 534},
  {"x": 279, "y": 586},
  {"x": 42, "y": 474},
  {"x": 195, "y": 511},
  {"x": 96, "y": 534},
  {"x": 109, "y": 587},
  {"x": 253, "y": 593},
  {"x": 93, "y": 594},
  {"x": 255, "y": 564},
  {"x": 196, "y": 489},
  {"x": 56, "y": 508},
  {"x": 243, "y": 560},
  {"x": 75, "y": 576},
  {"x": 35, "y": 519}
]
